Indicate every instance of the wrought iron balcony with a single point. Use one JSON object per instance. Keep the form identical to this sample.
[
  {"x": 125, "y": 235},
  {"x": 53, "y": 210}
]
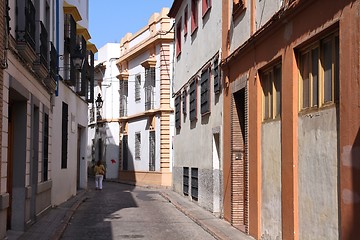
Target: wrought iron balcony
[{"x": 53, "y": 61}]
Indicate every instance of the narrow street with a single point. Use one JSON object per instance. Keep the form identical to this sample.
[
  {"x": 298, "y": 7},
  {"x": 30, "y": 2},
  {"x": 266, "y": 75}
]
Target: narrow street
[{"x": 127, "y": 212}]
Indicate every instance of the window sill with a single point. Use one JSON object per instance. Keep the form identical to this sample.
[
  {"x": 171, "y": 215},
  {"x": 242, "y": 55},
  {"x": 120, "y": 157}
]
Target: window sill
[{"x": 314, "y": 109}]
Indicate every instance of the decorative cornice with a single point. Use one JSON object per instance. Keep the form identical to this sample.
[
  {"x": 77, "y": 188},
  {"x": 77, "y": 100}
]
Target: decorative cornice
[
  {"x": 72, "y": 10},
  {"x": 91, "y": 47},
  {"x": 80, "y": 30},
  {"x": 151, "y": 62},
  {"x": 123, "y": 76}
]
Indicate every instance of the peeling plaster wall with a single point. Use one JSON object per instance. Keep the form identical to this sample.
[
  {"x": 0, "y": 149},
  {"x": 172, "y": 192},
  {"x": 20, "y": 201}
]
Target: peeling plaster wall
[
  {"x": 318, "y": 176},
  {"x": 271, "y": 181}
]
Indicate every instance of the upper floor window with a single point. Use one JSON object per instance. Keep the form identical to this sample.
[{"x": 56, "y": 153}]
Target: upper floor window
[
  {"x": 149, "y": 88},
  {"x": 186, "y": 18},
  {"x": 137, "y": 87},
  {"x": 271, "y": 84},
  {"x": 216, "y": 73},
  {"x": 238, "y": 7},
  {"x": 193, "y": 100},
  {"x": 194, "y": 15},
  {"x": 177, "y": 111},
  {"x": 184, "y": 102},
  {"x": 205, "y": 91},
  {"x": 178, "y": 37},
  {"x": 319, "y": 73},
  {"x": 206, "y": 5}
]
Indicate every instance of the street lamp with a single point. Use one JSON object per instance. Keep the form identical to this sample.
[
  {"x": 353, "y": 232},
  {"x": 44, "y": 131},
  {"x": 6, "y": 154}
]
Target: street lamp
[{"x": 99, "y": 102}]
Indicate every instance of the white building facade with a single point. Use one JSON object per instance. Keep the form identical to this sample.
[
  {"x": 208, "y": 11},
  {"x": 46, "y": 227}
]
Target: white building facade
[
  {"x": 39, "y": 165},
  {"x": 197, "y": 171},
  {"x": 146, "y": 112},
  {"x": 103, "y": 140}
]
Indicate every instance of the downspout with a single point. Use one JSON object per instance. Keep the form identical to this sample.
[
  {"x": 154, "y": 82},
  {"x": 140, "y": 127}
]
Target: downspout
[{"x": 57, "y": 47}]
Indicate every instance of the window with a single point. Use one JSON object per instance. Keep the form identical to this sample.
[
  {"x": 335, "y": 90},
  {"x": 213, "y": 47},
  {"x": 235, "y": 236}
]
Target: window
[
  {"x": 319, "y": 73},
  {"x": 149, "y": 88},
  {"x": 137, "y": 87},
  {"x": 123, "y": 98},
  {"x": 186, "y": 18},
  {"x": 216, "y": 74},
  {"x": 206, "y": 5},
  {"x": 271, "y": 84},
  {"x": 238, "y": 7},
  {"x": 152, "y": 151},
  {"x": 184, "y": 102},
  {"x": 46, "y": 147},
  {"x": 64, "y": 135},
  {"x": 193, "y": 100},
  {"x": 194, "y": 183},
  {"x": 177, "y": 111},
  {"x": 137, "y": 145},
  {"x": 186, "y": 181},
  {"x": 194, "y": 15},
  {"x": 178, "y": 38},
  {"x": 205, "y": 91}
]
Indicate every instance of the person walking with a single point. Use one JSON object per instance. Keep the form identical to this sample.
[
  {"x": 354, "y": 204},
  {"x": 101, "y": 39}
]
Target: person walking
[{"x": 99, "y": 175}]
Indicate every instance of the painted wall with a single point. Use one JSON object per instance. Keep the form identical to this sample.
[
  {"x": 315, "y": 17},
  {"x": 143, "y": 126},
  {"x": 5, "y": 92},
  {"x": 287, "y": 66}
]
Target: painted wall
[
  {"x": 318, "y": 175},
  {"x": 271, "y": 180},
  {"x": 64, "y": 180},
  {"x": 240, "y": 27},
  {"x": 265, "y": 10},
  {"x": 209, "y": 27}
]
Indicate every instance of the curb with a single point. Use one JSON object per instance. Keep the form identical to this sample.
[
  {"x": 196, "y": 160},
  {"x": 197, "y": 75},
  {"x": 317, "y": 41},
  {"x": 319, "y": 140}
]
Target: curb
[
  {"x": 69, "y": 213},
  {"x": 216, "y": 234}
]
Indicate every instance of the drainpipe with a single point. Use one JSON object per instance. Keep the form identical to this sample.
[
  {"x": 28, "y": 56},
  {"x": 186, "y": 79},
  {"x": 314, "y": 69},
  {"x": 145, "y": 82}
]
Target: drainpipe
[{"x": 57, "y": 47}]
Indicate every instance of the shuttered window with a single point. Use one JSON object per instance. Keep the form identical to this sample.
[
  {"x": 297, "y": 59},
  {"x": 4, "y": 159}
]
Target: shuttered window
[
  {"x": 184, "y": 102},
  {"x": 205, "y": 91},
  {"x": 186, "y": 181},
  {"x": 216, "y": 73},
  {"x": 177, "y": 111},
  {"x": 193, "y": 100},
  {"x": 194, "y": 15},
  {"x": 194, "y": 183},
  {"x": 206, "y": 5}
]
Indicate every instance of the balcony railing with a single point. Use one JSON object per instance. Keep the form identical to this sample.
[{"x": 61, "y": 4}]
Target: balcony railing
[
  {"x": 44, "y": 46},
  {"x": 149, "y": 97}
]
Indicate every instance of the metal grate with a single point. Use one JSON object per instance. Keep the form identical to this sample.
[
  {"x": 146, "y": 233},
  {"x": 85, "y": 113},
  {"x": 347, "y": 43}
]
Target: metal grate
[
  {"x": 194, "y": 183},
  {"x": 186, "y": 181}
]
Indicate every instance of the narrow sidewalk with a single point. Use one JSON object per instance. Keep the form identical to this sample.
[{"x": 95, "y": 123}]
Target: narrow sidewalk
[{"x": 218, "y": 228}]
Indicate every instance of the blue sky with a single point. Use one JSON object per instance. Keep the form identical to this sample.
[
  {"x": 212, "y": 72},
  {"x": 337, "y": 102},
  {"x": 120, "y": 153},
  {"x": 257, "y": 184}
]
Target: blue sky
[{"x": 110, "y": 20}]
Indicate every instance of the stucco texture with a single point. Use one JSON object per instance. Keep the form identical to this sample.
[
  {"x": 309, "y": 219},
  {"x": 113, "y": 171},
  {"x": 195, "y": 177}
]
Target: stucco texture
[
  {"x": 318, "y": 175},
  {"x": 271, "y": 181}
]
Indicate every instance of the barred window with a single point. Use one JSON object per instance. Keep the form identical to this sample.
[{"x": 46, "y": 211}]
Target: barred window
[
  {"x": 137, "y": 145},
  {"x": 137, "y": 87}
]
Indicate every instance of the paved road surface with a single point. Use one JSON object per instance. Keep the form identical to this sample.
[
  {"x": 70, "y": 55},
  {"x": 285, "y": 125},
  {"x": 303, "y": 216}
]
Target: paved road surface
[{"x": 127, "y": 212}]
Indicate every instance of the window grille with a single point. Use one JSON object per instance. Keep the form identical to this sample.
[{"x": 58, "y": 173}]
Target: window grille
[
  {"x": 186, "y": 181},
  {"x": 137, "y": 87},
  {"x": 152, "y": 151},
  {"x": 137, "y": 145},
  {"x": 194, "y": 183}
]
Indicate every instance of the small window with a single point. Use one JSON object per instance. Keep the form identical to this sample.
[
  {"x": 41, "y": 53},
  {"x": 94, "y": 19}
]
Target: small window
[
  {"x": 271, "y": 84},
  {"x": 186, "y": 18},
  {"x": 193, "y": 100},
  {"x": 137, "y": 87},
  {"x": 216, "y": 73},
  {"x": 319, "y": 73},
  {"x": 194, "y": 15},
  {"x": 184, "y": 102},
  {"x": 205, "y": 91},
  {"x": 137, "y": 145},
  {"x": 238, "y": 7},
  {"x": 177, "y": 111},
  {"x": 178, "y": 38},
  {"x": 206, "y": 5}
]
